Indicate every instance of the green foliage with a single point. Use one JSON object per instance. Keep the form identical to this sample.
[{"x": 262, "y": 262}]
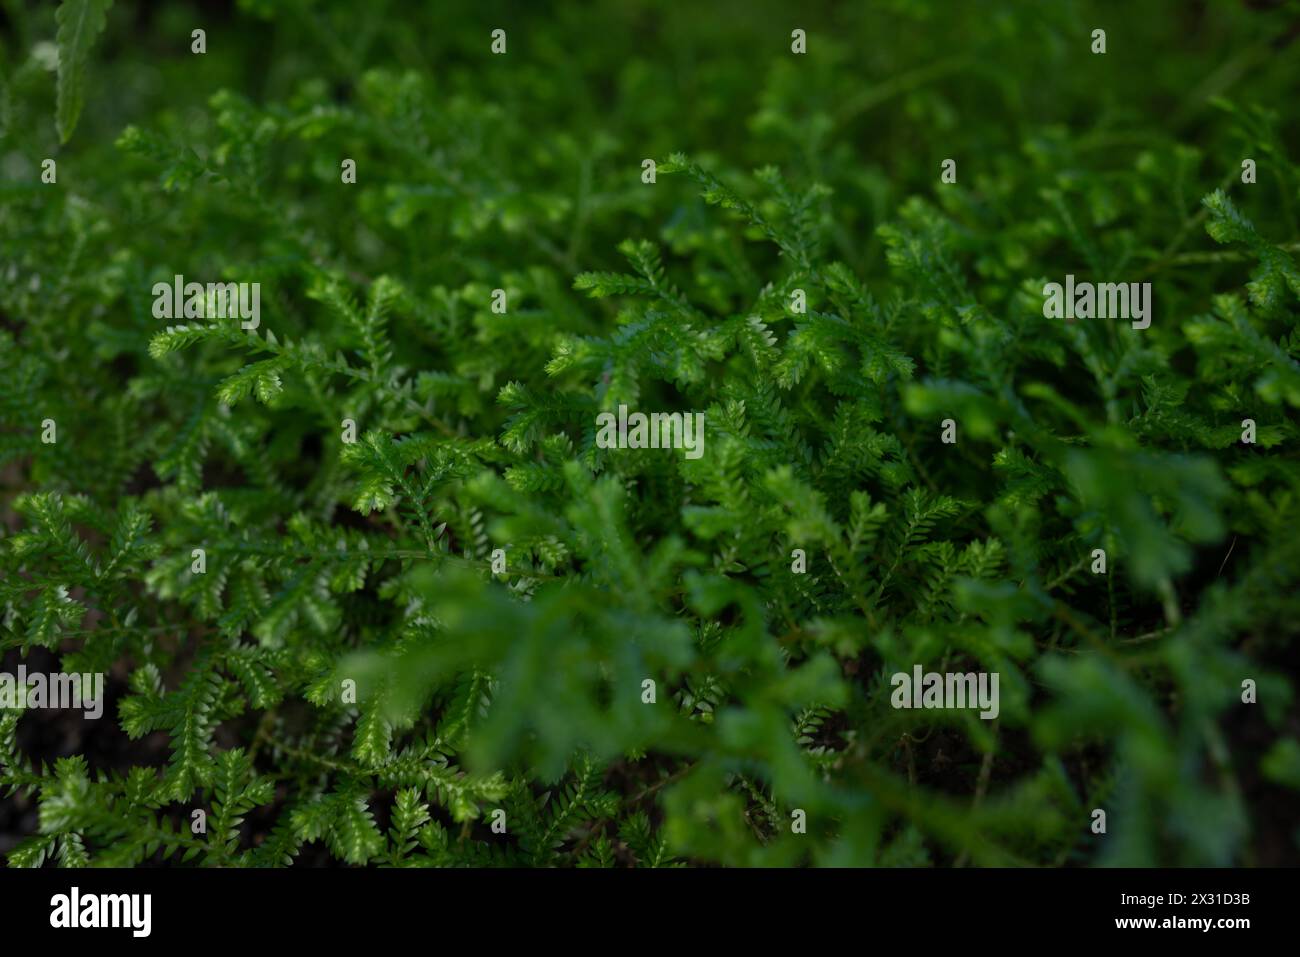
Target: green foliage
[
  {"x": 343, "y": 672},
  {"x": 80, "y": 22}
]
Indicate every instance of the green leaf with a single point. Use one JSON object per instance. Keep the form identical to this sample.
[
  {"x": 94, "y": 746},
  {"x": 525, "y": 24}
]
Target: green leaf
[{"x": 80, "y": 21}]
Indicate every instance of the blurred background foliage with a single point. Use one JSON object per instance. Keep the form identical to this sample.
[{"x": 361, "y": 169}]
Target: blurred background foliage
[{"x": 371, "y": 562}]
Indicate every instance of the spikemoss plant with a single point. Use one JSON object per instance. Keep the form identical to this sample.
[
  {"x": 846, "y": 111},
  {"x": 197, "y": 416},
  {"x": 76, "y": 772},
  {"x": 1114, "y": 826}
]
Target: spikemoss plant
[{"x": 365, "y": 586}]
